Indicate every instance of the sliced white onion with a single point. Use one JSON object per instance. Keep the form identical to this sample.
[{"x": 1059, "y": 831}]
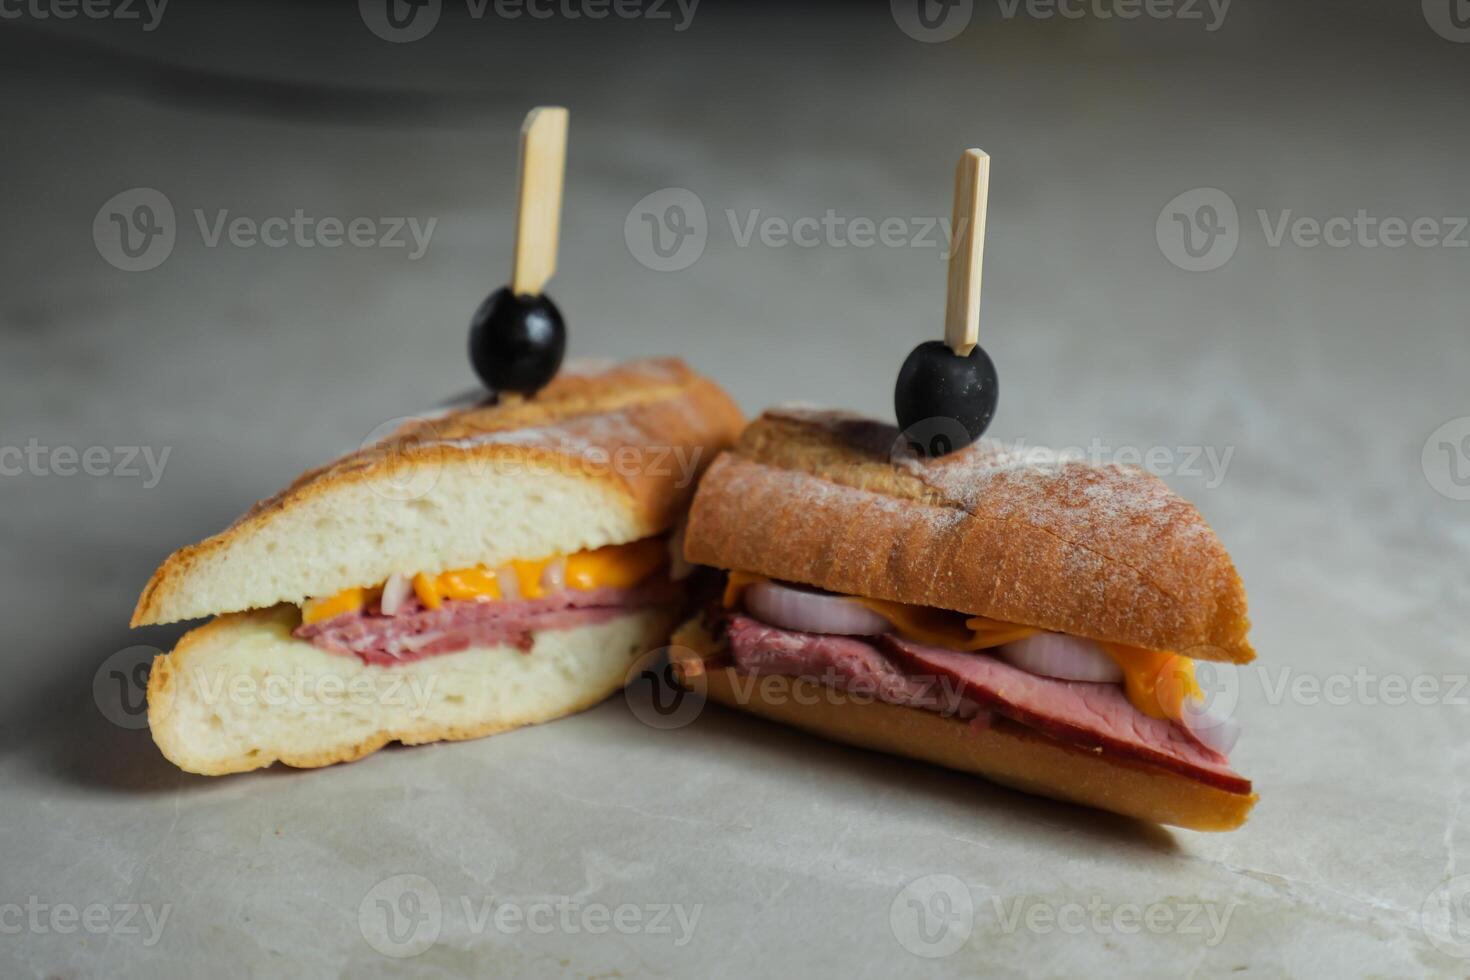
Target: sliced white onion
[
  {"x": 812, "y": 612},
  {"x": 1211, "y": 725},
  {"x": 1068, "y": 658},
  {"x": 510, "y": 586},
  {"x": 415, "y": 643},
  {"x": 395, "y": 591},
  {"x": 554, "y": 576}
]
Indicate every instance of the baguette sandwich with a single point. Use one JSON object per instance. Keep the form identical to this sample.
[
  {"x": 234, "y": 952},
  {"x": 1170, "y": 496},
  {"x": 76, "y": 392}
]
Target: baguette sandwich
[
  {"x": 487, "y": 568},
  {"x": 1033, "y": 619}
]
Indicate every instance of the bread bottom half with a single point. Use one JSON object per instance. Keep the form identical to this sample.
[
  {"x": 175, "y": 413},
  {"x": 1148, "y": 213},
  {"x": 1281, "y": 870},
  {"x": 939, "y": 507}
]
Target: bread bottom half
[
  {"x": 241, "y": 693},
  {"x": 1005, "y": 753}
]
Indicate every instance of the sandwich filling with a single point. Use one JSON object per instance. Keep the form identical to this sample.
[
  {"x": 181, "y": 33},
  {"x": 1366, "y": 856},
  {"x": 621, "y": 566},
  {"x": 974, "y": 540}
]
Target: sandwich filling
[
  {"x": 410, "y": 617},
  {"x": 1149, "y": 709}
]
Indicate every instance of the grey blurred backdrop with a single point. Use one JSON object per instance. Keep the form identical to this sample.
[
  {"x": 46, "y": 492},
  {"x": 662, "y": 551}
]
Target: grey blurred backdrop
[{"x": 1322, "y": 368}]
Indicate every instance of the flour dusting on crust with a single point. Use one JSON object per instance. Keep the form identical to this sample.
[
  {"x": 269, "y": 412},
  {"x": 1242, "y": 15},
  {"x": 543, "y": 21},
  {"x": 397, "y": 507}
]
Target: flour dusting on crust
[{"x": 1018, "y": 533}]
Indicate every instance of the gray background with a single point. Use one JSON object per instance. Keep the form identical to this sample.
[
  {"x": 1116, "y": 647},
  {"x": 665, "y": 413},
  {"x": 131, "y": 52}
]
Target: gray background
[{"x": 1322, "y": 370}]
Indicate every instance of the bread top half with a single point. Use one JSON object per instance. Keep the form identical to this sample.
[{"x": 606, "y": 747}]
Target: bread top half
[
  {"x": 602, "y": 455},
  {"x": 842, "y": 503}
]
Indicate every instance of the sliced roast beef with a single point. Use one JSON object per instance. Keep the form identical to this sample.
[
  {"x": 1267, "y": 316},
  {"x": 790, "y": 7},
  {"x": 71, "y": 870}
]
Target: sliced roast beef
[
  {"x": 416, "y": 631},
  {"x": 1095, "y": 715},
  {"x": 1092, "y": 716},
  {"x": 845, "y": 662}
]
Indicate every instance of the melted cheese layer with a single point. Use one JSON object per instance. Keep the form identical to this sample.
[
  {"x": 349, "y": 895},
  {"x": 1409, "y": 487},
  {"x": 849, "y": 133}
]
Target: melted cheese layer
[
  {"x": 1156, "y": 682},
  {"x": 618, "y": 566}
]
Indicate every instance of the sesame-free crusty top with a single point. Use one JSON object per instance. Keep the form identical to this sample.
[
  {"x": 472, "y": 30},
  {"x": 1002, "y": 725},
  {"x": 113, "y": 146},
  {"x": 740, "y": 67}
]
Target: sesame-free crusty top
[
  {"x": 840, "y": 502},
  {"x": 602, "y": 455}
]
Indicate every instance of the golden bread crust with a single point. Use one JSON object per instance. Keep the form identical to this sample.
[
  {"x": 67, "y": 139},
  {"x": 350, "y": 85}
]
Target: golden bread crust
[
  {"x": 839, "y": 502},
  {"x": 585, "y": 424}
]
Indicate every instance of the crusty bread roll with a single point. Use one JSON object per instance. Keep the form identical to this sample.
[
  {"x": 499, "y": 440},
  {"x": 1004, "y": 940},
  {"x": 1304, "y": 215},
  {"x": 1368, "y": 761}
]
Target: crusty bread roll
[
  {"x": 1105, "y": 552},
  {"x": 1002, "y": 752},
  {"x": 599, "y": 457},
  {"x": 595, "y": 458},
  {"x": 241, "y": 693},
  {"x": 842, "y": 503}
]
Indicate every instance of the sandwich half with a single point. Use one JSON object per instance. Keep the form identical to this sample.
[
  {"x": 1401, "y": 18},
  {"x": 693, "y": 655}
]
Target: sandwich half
[
  {"x": 478, "y": 570},
  {"x": 1041, "y": 621}
]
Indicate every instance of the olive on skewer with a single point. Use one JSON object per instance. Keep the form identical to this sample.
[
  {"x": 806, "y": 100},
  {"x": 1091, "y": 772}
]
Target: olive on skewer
[
  {"x": 954, "y": 379},
  {"x": 517, "y": 336}
]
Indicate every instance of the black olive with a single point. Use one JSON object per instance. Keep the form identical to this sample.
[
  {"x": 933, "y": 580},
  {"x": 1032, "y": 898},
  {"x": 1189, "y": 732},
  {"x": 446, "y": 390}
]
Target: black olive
[
  {"x": 938, "y": 387},
  {"x": 517, "y": 342}
]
